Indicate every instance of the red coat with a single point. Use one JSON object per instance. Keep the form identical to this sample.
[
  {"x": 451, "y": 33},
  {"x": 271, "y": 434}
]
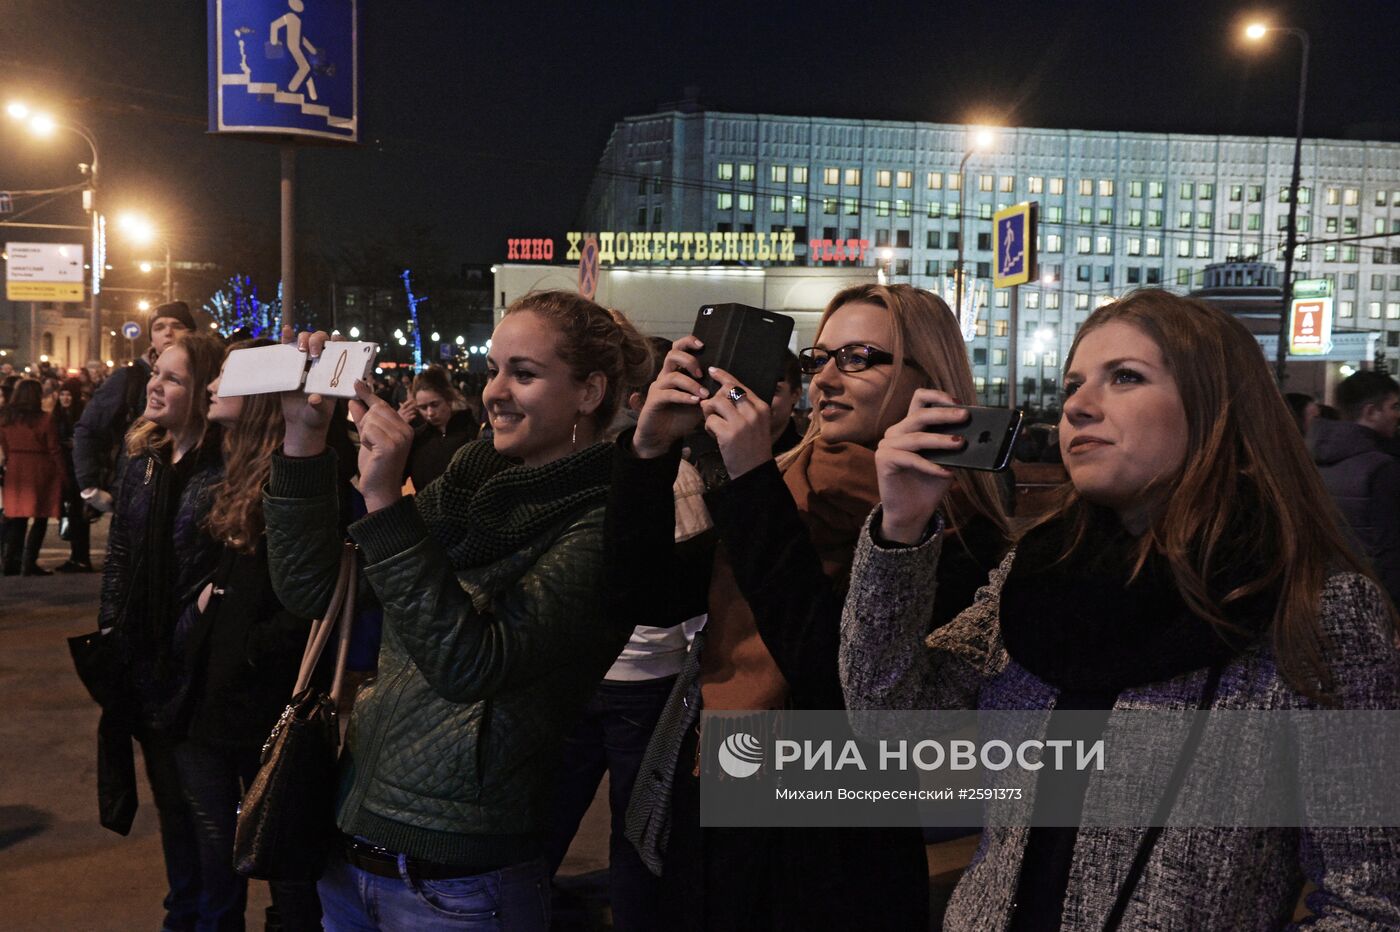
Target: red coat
[{"x": 33, "y": 469}]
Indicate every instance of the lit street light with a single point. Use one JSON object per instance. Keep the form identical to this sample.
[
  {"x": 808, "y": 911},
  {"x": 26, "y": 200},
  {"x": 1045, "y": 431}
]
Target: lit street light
[
  {"x": 143, "y": 305},
  {"x": 44, "y": 125},
  {"x": 142, "y": 232},
  {"x": 1256, "y": 32},
  {"x": 436, "y": 337},
  {"x": 982, "y": 140},
  {"x": 354, "y": 333}
]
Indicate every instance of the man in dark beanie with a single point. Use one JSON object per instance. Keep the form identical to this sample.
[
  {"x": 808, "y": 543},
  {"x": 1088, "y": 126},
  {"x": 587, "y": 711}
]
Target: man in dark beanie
[{"x": 97, "y": 454}]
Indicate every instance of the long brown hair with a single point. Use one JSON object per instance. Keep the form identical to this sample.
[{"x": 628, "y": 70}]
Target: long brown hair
[
  {"x": 1247, "y": 485},
  {"x": 205, "y": 353},
  {"x": 925, "y": 333},
  {"x": 236, "y": 516},
  {"x": 25, "y": 404}
]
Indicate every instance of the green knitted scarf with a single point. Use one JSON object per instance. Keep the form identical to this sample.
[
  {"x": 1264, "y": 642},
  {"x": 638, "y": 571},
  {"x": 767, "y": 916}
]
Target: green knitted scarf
[{"x": 485, "y": 506}]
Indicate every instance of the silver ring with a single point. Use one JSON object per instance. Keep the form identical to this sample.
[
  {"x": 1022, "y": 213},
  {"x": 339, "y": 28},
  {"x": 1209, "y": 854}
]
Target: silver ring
[{"x": 736, "y": 394}]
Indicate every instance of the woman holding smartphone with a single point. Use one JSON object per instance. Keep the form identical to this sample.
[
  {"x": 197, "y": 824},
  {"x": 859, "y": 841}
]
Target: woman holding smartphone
[
  {"x": 495, "y": 631},
  {"x": 159, "y": 558},
  {"x": 787, "y": 530},
  {"x": 1193, "y": 562}
]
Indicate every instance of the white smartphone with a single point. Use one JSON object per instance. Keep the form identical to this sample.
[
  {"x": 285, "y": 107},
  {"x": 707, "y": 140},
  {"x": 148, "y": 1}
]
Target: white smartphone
[{"x": 283, "y": 368}]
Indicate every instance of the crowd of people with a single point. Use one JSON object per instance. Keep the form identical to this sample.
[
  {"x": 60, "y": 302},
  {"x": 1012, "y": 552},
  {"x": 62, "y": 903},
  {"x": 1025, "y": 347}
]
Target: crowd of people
[{"x": 561, "y": 583}]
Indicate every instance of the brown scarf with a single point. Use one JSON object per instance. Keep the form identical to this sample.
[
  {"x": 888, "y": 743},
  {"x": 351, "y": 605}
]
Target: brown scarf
[{"x": 834, "y": 487}]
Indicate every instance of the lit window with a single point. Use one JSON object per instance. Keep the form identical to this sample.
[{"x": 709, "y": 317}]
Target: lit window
[
  {"x": 778, "y": 204},
  {"x": 1346, "y": 308},
  {"x": 1086, "y": 215},
  {"x": 1233, "y": 221},
  {"x": 778, "y": 173},
  {"x": 831, "y": 176},
  {"x": 984, "y": 182},
  {"x": 935, "y": 181},
  {"x": 954, "y": 182},
  {"x": 1134, "y": 189},
  {"x": 1256, "y": 193},
  {"x": 1183, "y": 248},
  {"x": 1373, "y": 309},
  {"x": 828, "y": 205},
  {"x": 724, "y": 201},
  {"x": 1380, "y": 198},
  {"x": 852, "y": 206},
  {"x": 1103, "y": 245},
  {"x": 902, "y": 209},
  {"x": 799, "y": 174},
  {"x": 1187, "y": 191},
  {"x": 1081, "y": 301},
  {"x": 725, "y": 171},
  {"x": 1183, "y": 220},
  {"x": 935, "y": 209},
  {"x": 1003, "y": 298},
  {"x": 1154, "y": 218},
  {"x": 1106, "y": 216},
  {"x": 999, "y": 355},
  {"x": 799, "y": 204},
  {"x": 1134, "y": 246},
  {"x": 746, "y": 202},
  {"x": 1105, "y": 187},
  {"x": 1329, "y": 254},
  {"x": 1054, "y": 242},
  {"x": 1032, "y": 300},
  {"x": 1154, "y": 246},
  {"x": 1057, "y": 186},
  {"x": 746, "y": 171},
  {"x": 1204, "y": 220},
  {"x": 984, "y": 211},
  {"x": 853, "y": 177},
  {"x": 1052, "y": 301},
  {"x": 1135, "y": 217},
  {"x": 882, "y": 178},
  {"x": 1256, "y": 222},
  {"x": 882, "y": 208},
  {"x": 1205, "y": 191},
  {"x": 1392, "y": 310},
  {"x": 904, "y": 179},
  {"x": 1082, "y": 245},
  {"x": 1008, "y": 184},
  {"x": 1003, "y": 328},
  {"x": 1350, "y": 197},
  {"x": 981, "y": 326},
  {"x": 1334, "y": 197},
  {"x": 1086, "y": 187},
  {"x": 1054, "y": 214},
  {"x": 1156, "y": 188},
  {"x": 1202, "y": 249},
  {"x": 1236, "y": 192},
  {"x": 1035, "y": 184},
  {"x": 1348, "y": 253}
]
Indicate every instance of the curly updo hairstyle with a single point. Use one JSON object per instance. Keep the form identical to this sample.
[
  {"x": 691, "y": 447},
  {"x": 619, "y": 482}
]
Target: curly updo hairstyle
[{"x": 593, "y": 338}]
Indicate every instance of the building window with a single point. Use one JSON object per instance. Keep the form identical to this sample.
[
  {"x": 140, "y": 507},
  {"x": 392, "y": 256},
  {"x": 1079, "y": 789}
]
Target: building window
[
  {"x": 935, "y": 209},
  {"x": 746, "y": 202},
  {"x": 903, "y": 209},
  {"x": 778, "y": 204},
  {"x": 901, "y": 267},
  {"x": 1377, "y": 281},
  {"x": 1134, "y": 275},
  {"x": 999, "y": 355},
  {"x": 954, "y": 181},
  {"x": 1232, "y": 221},
  {"x": 746, "y": 172},
  {"x": 642, "y": 216},
  {"x": 984, "y": 182},
  {"x": 1083, "y": 245},
  {"x": 1003, "y": 298},
  {"x": 1346, "y": 308},
  {"x": 642, "y": 186},
  {"x": 1052, "y": 301},
  {"x": 1086, "y": 215},
  {"x": 1154, "y": 218},
  {"x": 1380, "y": 198},
  {"x": 1106, "y": 216},
  {"x": 1348, "y": 253},
  {"x": 1086, "y": 187},
  {"x": 1183, "y": 248},
  {"x": 1103, "y": 245},
  {"x": 1054, "y": 214},
  {"x": 799, "y": 174},
  {"x": 904, "y": 179},
  {"x": 1105, "y": 187},
  {"x": 1329, "y": 254},
  {"x": 1007, "y": 184},
  {"x": 725, "y": 171},
  {"x": 799, "y": 204},
  {"x": 1256, "y": 222},
  {"x": 1032, "y": 300},
  {"x": 1373, "y": 310},
  {"x": 1392, "y": 310},
  {"x": 778, "y": 173},
  {"x": 1134, "y": 189},
  {"x": 882, "y": 208},
  {"x": 1183, "y": 220},
  {"x": 1334, "y": 197},
  {"x": 1204, "y": 220},
  {"x": 831, "y": 176},
  {"x": 953, "y": 238},
  {"x": 829, "y": 207},
  {"x": 935, "y": 239},
  {"x": 1134, "y": 217},
  {"x": 1134, "y": 246},
  {"x": 1187, "y": 191},
  {"x": 1081, "y": 301},
  {"x": 882, "y": 178},
  {"x": 1154, "y": 275},
  {"x": 724, "y": 201},
  {"x": 853, "y": 177},
  {"x": 1054, "y": 242},
  {"x": 981, "y": 326},
  {"x": 984, "y": 241},
  {"x": 935, "y": 181},
  {"x": 1035, "y": 184},
  {"x": 1349, "y": 281},
  {"x": 931, "y": 267},
  {"x": 852, "y": 206},
  {"x": 882, "y": 237},
  {"x": 1350, "y": 197},
  {"x": 1154, "y": 246},
  {"x": 656, "y": 218},
  {"x": 1057, "y": 186},
  {"x": 1002, "y": 329},
  {"x": 1236, "y": 192},
  {"x": 1156, "y": 188},
  {"x": 1255, "y": 192},
  {"x": 1202, "y": 249},
  {"x": 1205, "y": 191},
  {"x": 984, "y": 211}
]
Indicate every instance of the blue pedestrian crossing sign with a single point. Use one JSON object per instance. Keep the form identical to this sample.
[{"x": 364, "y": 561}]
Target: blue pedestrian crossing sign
[
  {"x": 1015, "y": 228},
  {"x": 284, "y": 67}
]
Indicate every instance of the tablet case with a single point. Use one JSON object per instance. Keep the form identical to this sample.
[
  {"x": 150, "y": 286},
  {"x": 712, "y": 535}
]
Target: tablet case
[
  {"x": 747, "y": 342},
  {"x": 262, "y": 370}
]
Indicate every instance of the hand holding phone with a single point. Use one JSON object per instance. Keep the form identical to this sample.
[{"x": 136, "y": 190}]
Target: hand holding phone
[
  {"x": 746, "y": 342},
  {"x": 911, "y": 485},
  {"x": 672, "y": 407}
]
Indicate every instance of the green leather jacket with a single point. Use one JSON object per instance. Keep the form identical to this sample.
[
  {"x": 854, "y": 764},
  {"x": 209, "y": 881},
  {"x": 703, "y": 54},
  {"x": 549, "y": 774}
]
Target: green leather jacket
[{"x": 453, "y": 748}]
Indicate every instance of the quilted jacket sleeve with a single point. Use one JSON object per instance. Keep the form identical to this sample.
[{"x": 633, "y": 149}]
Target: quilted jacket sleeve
[
  {"x": 302, "y": 510},
  {"x": 1354, "y": 869},
  {"x": 888, "y": 658},
  {"x": 547, "y": 620}
]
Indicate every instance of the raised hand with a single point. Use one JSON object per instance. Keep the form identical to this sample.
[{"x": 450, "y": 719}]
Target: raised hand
[
  {"x": 307, "y": 417},
  {"x": 911, "y": 487},
  {"x": 385, "y": 442},
  {"x": 740, "y": 427},
  {"x": 672, "y": 408}
]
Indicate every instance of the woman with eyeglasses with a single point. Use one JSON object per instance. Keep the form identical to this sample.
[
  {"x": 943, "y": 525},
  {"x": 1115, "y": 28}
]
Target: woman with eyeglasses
[{"x": 787, "y": 531}]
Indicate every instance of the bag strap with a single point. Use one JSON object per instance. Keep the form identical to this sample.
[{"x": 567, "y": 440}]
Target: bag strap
[
  {"x": 1164, "y": 805},
  {"x": 347, "y": 622},
  {"x": 321, "y": 630}
]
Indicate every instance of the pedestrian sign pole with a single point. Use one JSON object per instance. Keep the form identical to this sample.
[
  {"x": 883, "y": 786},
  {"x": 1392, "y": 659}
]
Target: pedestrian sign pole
[{"x": 1016, "y": 231}]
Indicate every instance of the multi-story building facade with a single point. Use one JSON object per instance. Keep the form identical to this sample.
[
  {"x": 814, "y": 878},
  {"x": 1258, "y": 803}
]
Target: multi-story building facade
[{"x": 1118, "y": 211}]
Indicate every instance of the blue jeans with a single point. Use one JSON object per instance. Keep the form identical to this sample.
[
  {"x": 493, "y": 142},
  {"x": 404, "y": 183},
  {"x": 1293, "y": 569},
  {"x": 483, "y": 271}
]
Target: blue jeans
[
  {"x": 513, "y": 899},
  {"x": 214, "y": 780},
  {"x": 612, "y": 735}
]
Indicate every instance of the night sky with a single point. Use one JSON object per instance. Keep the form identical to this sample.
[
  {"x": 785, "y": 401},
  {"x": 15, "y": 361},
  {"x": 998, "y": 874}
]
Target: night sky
[{"x": 485, "y": 121}]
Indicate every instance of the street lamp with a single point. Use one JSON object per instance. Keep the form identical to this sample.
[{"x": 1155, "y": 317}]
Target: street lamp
[
  {"x": 142, "y": 232},
  {"x": 44, "y": 125},
  {"x": 981, "y": 140},
  {"x": 1256, "y": 32}
]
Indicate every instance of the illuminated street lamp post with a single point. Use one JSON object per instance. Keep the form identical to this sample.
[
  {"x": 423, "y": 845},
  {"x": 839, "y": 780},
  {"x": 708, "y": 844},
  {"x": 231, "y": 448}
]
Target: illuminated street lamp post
[
  {"x": 141, "y": 232},
  {"x": 982, "y": 140},
  {"x": 43, "y": 125},
  {"x": 1256, "y": 32}
]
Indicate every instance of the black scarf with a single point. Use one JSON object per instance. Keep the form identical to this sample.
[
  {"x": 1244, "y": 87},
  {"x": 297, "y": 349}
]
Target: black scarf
[
  {"x": 486, "y": 506},
  {"x": 1080, "y": 625}
]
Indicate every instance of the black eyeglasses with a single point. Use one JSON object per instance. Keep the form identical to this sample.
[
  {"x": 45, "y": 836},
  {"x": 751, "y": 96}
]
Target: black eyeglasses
[{"x": 853, "y": 357}]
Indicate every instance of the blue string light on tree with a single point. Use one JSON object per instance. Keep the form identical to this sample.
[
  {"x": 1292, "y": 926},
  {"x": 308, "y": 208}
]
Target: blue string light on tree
[{"x": 413, "y": 303}]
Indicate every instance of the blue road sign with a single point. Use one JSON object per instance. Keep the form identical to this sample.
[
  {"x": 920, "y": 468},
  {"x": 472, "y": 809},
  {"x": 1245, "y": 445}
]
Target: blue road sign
[
  {"x": 445, "y": 350},
  {"x": 1015, "y": 243},
  {"x": 131, "y": 330},
  {"x": 284, "y": 67}
]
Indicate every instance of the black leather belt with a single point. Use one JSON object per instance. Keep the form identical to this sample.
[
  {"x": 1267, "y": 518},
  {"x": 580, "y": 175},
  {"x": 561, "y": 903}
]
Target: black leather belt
[{"x": 385, "y": 863}]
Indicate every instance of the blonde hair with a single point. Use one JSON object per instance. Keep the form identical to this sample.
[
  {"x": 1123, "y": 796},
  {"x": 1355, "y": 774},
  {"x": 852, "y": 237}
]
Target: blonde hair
[
  {"x": 205, "y": 353},
  {"x": 925, "y": 333}
]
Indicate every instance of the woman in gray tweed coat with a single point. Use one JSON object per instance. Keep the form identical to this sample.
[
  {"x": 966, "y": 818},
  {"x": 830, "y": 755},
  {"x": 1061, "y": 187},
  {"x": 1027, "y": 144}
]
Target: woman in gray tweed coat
[{"x": 1193, "y": 562}]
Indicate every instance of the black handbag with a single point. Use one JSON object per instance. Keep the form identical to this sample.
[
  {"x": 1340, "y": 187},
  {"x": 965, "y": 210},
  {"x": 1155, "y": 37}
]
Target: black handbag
[
  {"x": 287, "y": 818},
  {"x": 98, "y": 661}
]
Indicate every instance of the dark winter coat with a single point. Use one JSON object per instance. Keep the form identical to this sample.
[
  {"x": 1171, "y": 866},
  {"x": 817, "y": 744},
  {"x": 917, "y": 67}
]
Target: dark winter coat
[
  {"x": 1364, "y": 482},
  {"x": 433, "y": 449},
  {"x": 244, "y": 653},
  {"x": 99, "y": 432}
]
